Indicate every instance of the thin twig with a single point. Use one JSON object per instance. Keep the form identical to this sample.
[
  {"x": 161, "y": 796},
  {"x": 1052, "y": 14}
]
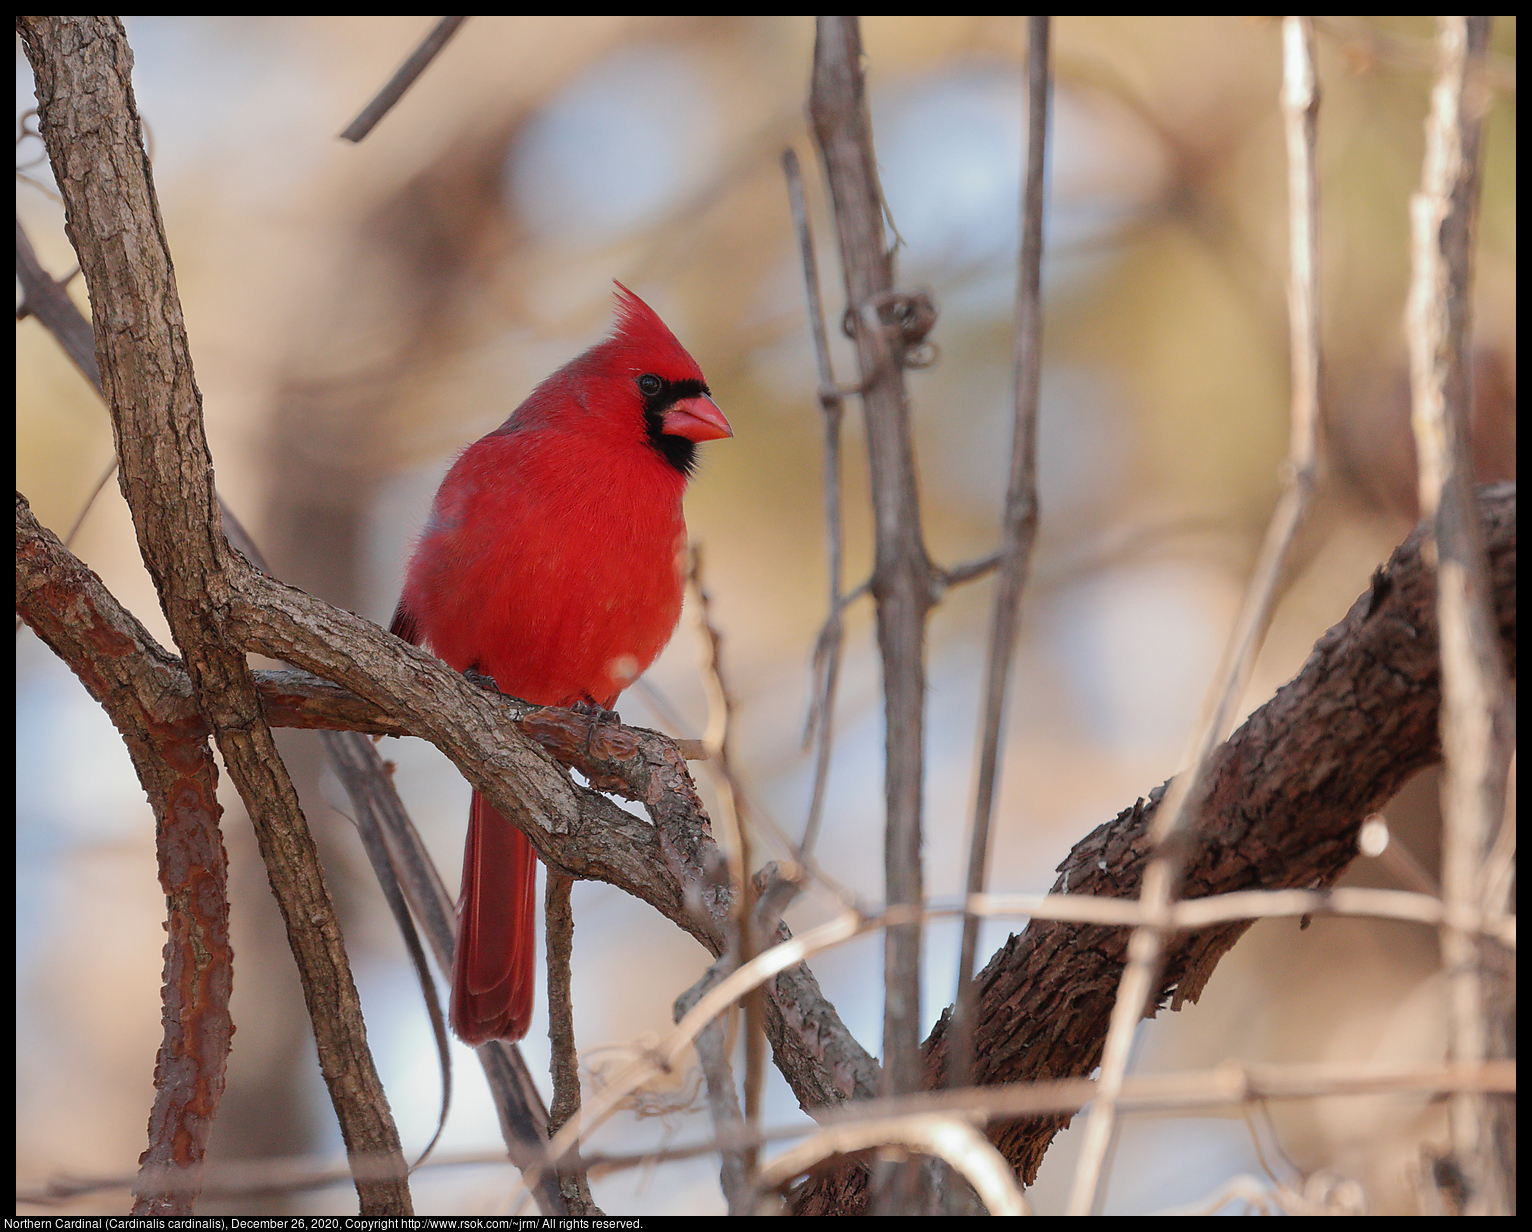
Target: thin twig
[
  {"x": 969, "y": 571},
  {"x": 1226, "y": 1086},
  {"x": 1019, "y": 527},
  {"x": 760, "y": 818},
  {"x": 1300, "y": 103},
  {"x": 741, "y": 858},
  {"x": 403, "y": 79},
  {"x": 952, "y": 1139},
  {"x": 827, "y": 650},
  {"x": 46, "y": 299},
  {"x": 90, "y": 500},
  {"x": 564, "y": 1064},
  {"x": 1477, "y": 720},
  {"x": 712, "y": 1043},
  {"x": 355, "y": 763},
  {"x": 1500, "y": 866}
]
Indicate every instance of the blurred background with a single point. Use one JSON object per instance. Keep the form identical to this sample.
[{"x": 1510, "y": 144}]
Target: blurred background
[{"x": 359, "y": 313}]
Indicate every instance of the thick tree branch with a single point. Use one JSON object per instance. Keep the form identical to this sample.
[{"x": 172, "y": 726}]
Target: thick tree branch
[
  {"x": 133, "y": 679},
  {"x": 90, "y": 126},
  {"x": 1287, "y": 795}
]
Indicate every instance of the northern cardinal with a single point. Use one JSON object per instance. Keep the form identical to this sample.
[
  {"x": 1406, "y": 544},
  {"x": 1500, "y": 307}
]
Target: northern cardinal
[{"x": 554, "y": 561}]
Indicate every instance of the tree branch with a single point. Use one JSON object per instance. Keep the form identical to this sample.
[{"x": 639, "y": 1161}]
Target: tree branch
[
  {"x": 1286, "y": 798},
  {"x": 902, "y": 573},
  {"x": 1019, "y": 523},
  {"x": 68, "y": 607},
  {"x": 672, "y": 865},
  {"x": 402, "y": 80},
  {"x": 90, "y": 126},
  {"x": 1478, "y": 717}
]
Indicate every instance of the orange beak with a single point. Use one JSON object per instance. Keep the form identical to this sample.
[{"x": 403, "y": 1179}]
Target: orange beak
[{"x": 696, "y": 419}]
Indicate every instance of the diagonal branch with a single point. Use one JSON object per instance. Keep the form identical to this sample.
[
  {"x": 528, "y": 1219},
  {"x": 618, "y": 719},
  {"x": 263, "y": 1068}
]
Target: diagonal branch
[
  {"x": 1019, "y": 530},
  {"x": 1285, "y": 799},
  {"x": 402, "y": 80},
  {"x": 827, "y": 650},
  {"x": 1146, "y": 947}
]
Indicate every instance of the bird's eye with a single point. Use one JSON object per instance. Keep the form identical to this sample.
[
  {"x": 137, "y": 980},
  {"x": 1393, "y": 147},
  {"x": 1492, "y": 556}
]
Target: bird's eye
[{"x": 649, "y": 384}]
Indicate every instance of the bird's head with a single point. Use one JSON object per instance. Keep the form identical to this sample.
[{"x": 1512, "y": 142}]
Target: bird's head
[{"x": 649, "y": 372}]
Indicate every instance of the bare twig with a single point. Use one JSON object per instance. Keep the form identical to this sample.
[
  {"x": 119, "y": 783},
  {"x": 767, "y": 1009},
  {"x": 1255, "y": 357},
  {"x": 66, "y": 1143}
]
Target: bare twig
[
  {"x": 90, "y": 500},
  {"x": 643, "y": 1068},
  {"x": 738, "y": 1161},
  {"x": 348, "y": 757},
  {"x": 1478, "y": 723},
  {"x": 1500, "y": 866},
  {"x": 565, "y": 1067},
  {"x": 47, "y": 300},
  {"x": 1019, "y": 527},
  {"x": 1300, "y": 106},
  {"x": 969, "y": 571},
  {"x": 952, "y": 1139},
  {"x": 565, "y": 1063},
  {"x": 821, "y": 722},
  {"x": 1227, "y": 1086},
  {"x": 403, "y": 79},
  {"x": 741, "y": 853}
]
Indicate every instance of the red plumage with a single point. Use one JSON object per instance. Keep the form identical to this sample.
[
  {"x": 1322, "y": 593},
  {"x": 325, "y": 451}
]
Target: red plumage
[{"x": 554, "y": 560}]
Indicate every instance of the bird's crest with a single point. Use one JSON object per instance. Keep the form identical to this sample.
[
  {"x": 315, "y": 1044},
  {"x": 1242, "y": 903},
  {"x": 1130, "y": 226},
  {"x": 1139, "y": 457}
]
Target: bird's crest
[{"x": 640, "y": 332}]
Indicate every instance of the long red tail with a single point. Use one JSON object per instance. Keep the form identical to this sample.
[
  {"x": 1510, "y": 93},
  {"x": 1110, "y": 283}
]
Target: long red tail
[{"x": 493, "y": 973}]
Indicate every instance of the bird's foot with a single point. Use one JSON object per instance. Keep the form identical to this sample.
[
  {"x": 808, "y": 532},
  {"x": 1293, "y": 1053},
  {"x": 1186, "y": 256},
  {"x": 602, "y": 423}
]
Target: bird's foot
[
  {"x": 596, "y": 714},
  {"x": 474, "y": 676}
]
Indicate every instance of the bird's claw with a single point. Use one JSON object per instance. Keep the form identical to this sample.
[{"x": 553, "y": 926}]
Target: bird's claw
[
  {"x": 596, "y": 714},
  {"x": 474, "y": 676}
]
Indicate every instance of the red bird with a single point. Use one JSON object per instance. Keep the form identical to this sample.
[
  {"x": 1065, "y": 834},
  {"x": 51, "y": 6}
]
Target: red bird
[{"x": 554, "y": 561}]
